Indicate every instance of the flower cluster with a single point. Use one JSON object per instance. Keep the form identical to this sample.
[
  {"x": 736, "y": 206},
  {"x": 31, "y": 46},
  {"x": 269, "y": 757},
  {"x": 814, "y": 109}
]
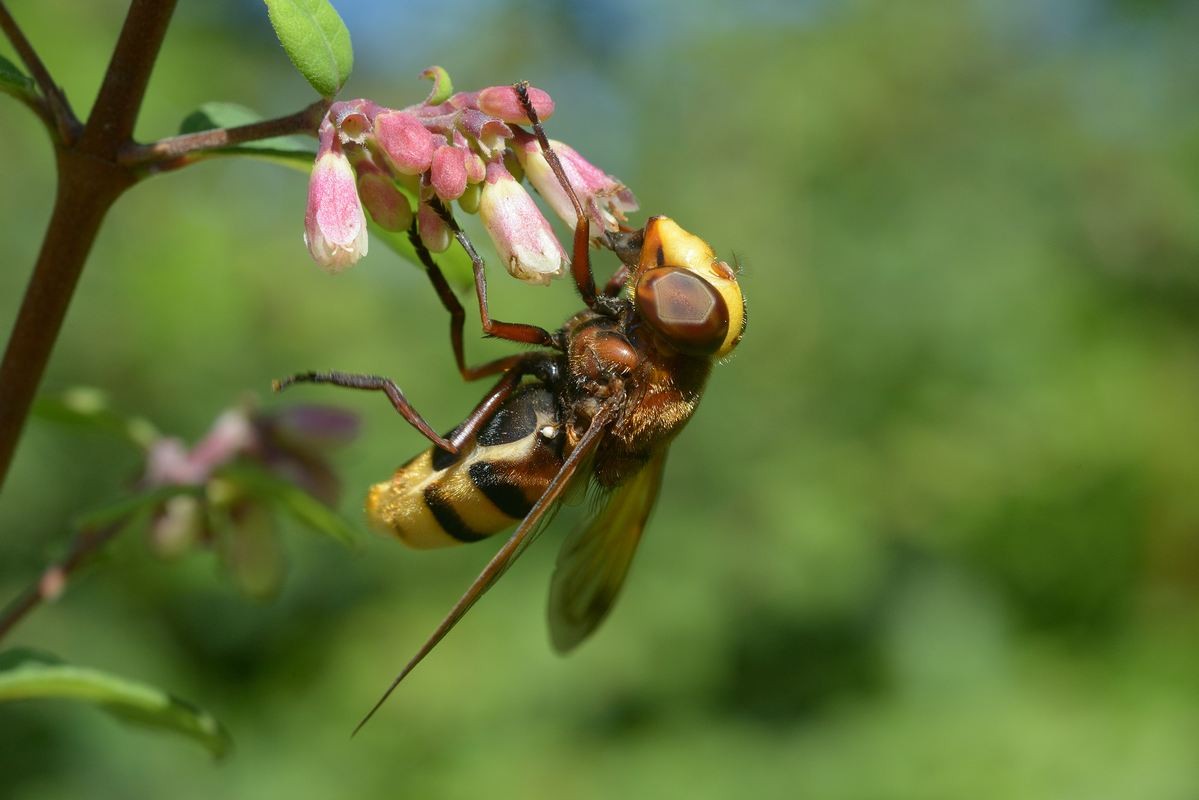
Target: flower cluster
[
  {"x": 464, "y": 147},
  {"x": 247, "y": 462}
]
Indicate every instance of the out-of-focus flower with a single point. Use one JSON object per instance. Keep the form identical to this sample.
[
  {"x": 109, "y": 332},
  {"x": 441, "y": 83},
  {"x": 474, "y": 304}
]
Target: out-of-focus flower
[
  {"x": 231, "y": 510},
  {"x": 334, "y": 225},
  {"x": 523, "y": 237},
  {"x": 604, "y": 198}
]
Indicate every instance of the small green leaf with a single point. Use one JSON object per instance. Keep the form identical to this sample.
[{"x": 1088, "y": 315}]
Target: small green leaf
[
  {"x": 87, "y": 407},
  {"x": 13, "y": 81},
  {"x": 293, "y": 150},
  {"x": 26, "y": 675},
  {"x": 316, "y": 41},
  {"x": 302, "y": 506}
]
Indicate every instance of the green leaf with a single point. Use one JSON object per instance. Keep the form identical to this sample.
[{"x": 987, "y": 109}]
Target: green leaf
[
  {"x": 26, "y": 675},
  {"x": 295, "y": 151},
  {"x": 303, "y": 507},
  {"x": 13, "y": 81},
  {"x": 316, "y": 41}
]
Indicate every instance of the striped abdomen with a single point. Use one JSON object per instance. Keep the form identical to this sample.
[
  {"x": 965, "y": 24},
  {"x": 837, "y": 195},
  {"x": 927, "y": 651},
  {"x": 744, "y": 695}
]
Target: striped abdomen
[{"x": 437, "y": 499}]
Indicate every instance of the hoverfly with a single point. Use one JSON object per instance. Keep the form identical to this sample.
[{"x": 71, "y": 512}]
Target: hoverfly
[{"x": 607, "y": 393}]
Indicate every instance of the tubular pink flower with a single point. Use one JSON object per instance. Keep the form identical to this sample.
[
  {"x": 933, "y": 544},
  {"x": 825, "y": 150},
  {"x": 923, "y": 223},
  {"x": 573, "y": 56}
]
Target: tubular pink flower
[
  {"x": 604, "y": 198},
  {"x": 523, "y": 237},
  {"x": 334, "y": 225},
  {"x": 447, "y": 175},
  {"x": 405, "y": 142}
]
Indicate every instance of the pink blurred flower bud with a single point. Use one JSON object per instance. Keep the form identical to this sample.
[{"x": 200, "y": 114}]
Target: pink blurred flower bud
[
  {"x": 405, "y": 142},
  {"x": 448, "y": 172},
  {"x": 604, "y": 198},
  {"x": 386, "y": 204},
  {"x": 502, "y": 102},
  {"x": 525, "y": 242},
  {"x": 334, "y": 225},
  {"x": 178, "y": 525},
  {"x": 432, "y": 229}
]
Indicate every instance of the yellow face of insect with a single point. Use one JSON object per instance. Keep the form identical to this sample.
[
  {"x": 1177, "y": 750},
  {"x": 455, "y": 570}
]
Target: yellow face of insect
[{"x": 690, "y": 297}]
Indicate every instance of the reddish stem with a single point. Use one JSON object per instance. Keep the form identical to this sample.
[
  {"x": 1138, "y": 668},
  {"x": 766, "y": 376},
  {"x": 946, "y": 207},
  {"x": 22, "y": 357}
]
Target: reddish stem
[{"x": 165, "y": 151}]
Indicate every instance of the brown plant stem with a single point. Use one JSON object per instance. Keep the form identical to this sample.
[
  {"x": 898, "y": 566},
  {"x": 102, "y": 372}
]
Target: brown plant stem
[
  {"x": 89, "y": 181},
  {"x": 53, "y": 579},
  {"x": 165, "y": 151}
]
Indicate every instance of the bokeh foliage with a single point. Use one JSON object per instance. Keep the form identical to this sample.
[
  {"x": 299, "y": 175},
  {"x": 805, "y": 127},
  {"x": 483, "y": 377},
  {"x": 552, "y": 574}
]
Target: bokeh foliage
[{"x": 935, "y": 532}]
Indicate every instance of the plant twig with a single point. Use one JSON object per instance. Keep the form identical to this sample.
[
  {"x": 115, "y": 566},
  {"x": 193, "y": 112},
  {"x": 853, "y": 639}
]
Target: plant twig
[
  {"x": 304, "y": 121},
  {"x": 53, "y": 579},
  {"x": 66, "y": 124}
]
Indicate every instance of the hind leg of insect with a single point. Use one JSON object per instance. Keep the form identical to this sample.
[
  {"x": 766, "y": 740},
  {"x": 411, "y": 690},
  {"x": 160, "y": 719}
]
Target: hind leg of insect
[
  {"x": 580, "y": 263},
  {"x": 539, "y": 364}
]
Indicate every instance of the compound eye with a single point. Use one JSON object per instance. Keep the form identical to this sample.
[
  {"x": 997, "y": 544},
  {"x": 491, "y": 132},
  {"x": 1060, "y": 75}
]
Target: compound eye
[{"x": 684, "y": 309}]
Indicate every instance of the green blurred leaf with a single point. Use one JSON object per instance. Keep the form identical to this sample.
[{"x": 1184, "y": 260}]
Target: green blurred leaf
[
  {"x": 316, "y": 41},
  {"x": 454, "y": 263},
  {"x": 26, "y": 675},
  {"x": 250, "y": 549},
  {"x": 87, "y": 407},
  {"x": 302, "y": 506},
  {"x": 129, "y": 506},
  {"x": 13, "y": 81},
  {"x": 295, "y": 151}
]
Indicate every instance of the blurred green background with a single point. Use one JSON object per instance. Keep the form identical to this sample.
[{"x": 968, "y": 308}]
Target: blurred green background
[{"x": 933, "y": 534}]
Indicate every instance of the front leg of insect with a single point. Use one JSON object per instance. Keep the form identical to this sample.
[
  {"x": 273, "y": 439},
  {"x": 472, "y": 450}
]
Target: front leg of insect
[{"x": 600, "y": 406}]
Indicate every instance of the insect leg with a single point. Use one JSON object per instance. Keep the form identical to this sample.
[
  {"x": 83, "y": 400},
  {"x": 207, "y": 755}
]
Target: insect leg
[
  {"x": 512, "y": 331},
  {"x": 616, "y": 282},
  {"x": 580, "y": 263},
  {"x": 457, "y": 316},
  {"x": 377, "y": 384},
  {"x": 525, "y": 364}
]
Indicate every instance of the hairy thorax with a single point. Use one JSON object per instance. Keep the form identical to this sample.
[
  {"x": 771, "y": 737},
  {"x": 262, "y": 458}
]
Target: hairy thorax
[{"x": 658, "y": 390}]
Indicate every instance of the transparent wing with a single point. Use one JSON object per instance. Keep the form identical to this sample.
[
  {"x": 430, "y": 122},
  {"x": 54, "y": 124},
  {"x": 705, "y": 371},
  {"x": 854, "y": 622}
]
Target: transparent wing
[
  {"x": 595, "y": 559},
  {"x": 528, "y": 530}
]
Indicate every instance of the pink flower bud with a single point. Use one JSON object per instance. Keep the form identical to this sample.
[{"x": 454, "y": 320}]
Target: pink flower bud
[
  {"x": 386, "y": 204},
  {"x": 503, "y": 102},
  {"x": 334, "y": 225},
  {"x": 448, "y": 172},
  {"x": 406, "y": 143},
  {"x": 432, "y": 229},
  {"x": 521, "y": 234}
]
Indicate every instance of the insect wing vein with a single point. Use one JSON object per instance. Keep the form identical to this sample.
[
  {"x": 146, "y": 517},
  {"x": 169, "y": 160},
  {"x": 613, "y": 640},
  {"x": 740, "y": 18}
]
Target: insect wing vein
[{"x": 595, "y": 558}]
